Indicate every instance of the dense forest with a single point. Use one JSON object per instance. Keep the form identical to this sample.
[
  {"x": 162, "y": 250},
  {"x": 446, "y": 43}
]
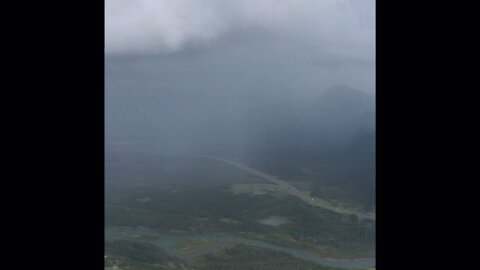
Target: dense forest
[
  {"x": 188, "y": 201},
  {"x": 136, "y": 255},
  {"x": 242, "y": 257}
]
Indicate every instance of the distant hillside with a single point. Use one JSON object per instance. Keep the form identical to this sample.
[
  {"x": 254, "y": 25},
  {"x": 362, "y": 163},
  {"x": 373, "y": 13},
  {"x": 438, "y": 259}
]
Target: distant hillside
[
  {"x": 314, "y": 127},
  {"x": 340, "y": 112},
  {"x": 335, "y": 132}
]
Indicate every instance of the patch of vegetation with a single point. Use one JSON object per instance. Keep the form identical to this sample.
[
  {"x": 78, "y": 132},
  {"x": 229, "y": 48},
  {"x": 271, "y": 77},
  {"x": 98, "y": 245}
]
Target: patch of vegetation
[
  {"x": 345, "y": 179},
  {"x": 198, "y": 211},
  {"x": 257, "y": 189},
  {"x": 189, "y": 246},
  {"x": 195, "y": 196},
  {"x": 243, "y": 257},
  {"x": 135, "y": 255}
]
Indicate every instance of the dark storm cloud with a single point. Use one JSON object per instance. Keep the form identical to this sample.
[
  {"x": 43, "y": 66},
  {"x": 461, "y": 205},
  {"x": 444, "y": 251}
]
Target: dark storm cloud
[
  {"x": 282, "y": 83},
  {"x": 285, "y": 47},
  {"x": 164, "y": 26}
]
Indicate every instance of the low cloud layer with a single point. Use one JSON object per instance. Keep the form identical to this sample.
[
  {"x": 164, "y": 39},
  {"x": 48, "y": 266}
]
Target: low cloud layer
[{"x": 338, "y": 27}]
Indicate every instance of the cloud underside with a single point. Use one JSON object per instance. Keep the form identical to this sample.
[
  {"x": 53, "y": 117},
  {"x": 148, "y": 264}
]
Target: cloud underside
[{"x": 338, "y": 27}]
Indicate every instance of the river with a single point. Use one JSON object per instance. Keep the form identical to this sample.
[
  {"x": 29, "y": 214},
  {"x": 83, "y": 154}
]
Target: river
[{"x": 167, "y": 243}]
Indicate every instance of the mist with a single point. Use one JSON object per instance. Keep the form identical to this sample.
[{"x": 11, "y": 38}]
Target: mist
[{"x": 230, "y": 94}]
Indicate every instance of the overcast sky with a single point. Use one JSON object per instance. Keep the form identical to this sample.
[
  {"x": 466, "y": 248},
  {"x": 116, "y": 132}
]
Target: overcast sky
[{"x": 294, "y": 47}]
